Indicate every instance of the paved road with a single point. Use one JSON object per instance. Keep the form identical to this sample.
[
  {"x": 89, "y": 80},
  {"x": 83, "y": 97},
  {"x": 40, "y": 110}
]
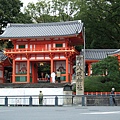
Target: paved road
[{"x": 60, "y": 113}]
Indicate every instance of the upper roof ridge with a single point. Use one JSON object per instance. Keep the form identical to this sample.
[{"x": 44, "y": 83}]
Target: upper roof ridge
[{"x": 43, "y": 24}]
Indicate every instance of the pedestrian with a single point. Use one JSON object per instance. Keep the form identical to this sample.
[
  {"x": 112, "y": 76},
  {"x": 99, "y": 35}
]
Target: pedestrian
[
  {"x": 113, "y": 96},
  {"x": 48, "y": 78},
  {"x": 40, "y": 98},
  {"x": 58, "y": 74},
  {"x": 46, "y": 75},
  {"x": 53, "y": 77}
]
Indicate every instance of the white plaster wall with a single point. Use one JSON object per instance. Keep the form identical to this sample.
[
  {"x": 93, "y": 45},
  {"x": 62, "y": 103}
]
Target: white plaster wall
[
  {"x": 47, "y": 57},
  {"x": 16, "y": 46},
  {"x": 39, "y": 57},
  {"x": 24, "y": 58},
  {"x": 49, "y": 46},
  {"x": 21, "y": 94},
  {"x": 17, "y": 58},
  {"x": 26, "y": 46},
  {"x": 30, "y": 46},
  {"x": 32, "y": 57},
  {"x": 53, "y": 45},
  {"x": 63, "y": 44},
  {"x": 62, "y": 56}
]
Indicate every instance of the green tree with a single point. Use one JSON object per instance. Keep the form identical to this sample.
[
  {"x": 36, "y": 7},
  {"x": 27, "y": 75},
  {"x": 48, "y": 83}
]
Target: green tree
[
  {"x": 109, "y": 67},
  {"x": 10, "y": 12},
  {"x": 9, "y": 9},
  {"x": 101, "y": 19},
  {"x": 52, "y": 11}
]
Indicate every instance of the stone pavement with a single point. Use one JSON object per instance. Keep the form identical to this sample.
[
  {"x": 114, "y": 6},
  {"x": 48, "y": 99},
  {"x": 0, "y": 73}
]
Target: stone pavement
[{"x": 60, "y": 113}]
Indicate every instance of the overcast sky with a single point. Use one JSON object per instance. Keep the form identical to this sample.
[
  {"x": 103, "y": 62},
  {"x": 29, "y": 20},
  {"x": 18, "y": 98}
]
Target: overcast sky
[{"x": 25, "y": 2}]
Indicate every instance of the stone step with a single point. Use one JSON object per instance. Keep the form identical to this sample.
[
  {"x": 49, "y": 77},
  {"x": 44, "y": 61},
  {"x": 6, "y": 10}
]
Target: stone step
[{"x": 32, "y": 85}]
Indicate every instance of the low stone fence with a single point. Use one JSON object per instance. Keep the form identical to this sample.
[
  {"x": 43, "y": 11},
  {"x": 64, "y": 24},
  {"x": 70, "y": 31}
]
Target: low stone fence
[{"x": 102, "y": 100}]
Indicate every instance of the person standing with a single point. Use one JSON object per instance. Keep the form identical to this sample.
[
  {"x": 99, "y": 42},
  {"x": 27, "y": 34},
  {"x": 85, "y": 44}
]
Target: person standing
[
  {"x": 58, "y": 74},
  {"x": 113, "y": 96},
  {"x": 40, "y": 98},
  {"x": 46, "y": 76},
  {"x": 53, "y": 77}
]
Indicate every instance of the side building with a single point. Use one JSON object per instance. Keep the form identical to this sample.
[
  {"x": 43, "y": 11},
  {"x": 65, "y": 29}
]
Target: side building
[{"x": 95, "y": 55}]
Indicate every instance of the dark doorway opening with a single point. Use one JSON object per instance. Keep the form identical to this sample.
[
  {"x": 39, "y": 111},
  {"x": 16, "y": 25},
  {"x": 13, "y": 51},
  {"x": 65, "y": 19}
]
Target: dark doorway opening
[
  {"x": 44, "y": 71},
  {"x": 8, "y": 74}
]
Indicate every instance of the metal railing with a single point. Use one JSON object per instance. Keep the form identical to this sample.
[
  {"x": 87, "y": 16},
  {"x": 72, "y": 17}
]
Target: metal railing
[{"x": 60, "y": 100}]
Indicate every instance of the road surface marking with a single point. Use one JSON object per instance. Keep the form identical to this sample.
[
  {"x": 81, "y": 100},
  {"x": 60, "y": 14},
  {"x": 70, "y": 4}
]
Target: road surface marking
[{"x": 112, "y": 112}]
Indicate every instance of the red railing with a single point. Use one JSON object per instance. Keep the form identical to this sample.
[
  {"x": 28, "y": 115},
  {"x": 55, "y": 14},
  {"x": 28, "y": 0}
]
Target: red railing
[
  {"x": 100, "y": 93},
  {"x": 41, "y": 49}
]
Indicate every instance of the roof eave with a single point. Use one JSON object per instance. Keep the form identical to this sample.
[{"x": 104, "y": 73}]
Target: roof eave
[{"x": 28, "y": 37}]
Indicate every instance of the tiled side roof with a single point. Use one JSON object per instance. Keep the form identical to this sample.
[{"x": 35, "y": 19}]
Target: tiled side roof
[
  {"x": 97, "y": 54},
  {"x": 114, "y": 52},
  {"x": 43, "y": 29}
]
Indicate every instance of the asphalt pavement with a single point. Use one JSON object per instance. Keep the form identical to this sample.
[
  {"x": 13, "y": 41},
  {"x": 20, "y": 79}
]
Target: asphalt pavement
[{"x": 60, "y": 113}]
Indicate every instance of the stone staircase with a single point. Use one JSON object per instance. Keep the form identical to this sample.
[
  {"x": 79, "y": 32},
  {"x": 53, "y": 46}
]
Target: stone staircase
[{"x": 32, "y": 85}]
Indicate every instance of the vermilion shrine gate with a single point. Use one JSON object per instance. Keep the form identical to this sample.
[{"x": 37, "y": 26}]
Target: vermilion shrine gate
[{"x": 35, "y": 44}]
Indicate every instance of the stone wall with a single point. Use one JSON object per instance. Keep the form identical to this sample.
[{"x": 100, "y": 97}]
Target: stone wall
[{"x": 101, "y": 101}]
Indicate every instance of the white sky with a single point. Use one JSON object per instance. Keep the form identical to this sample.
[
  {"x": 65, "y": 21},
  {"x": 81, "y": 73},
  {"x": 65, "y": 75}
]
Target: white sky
[{"x": 25, "y": 2}]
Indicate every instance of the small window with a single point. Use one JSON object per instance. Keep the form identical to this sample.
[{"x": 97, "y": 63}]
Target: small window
[
  {"x": 59, "y": 45},
  {"x": 21, "y": 46}
]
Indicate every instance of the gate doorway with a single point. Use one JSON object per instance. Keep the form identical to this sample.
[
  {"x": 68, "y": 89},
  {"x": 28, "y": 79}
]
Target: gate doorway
[
  {"x": 8, "y": 74},
  {"x": 44, "y": 71}
]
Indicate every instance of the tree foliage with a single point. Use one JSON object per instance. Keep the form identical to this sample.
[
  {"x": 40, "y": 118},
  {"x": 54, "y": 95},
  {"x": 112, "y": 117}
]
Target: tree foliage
[
  {"x": 109, "y": 68},
  {"x": 94, "y": 84},
  {"x": 52, "y": 11},
  {"x": 10, "y": 12},
  {"x": 101, "y": 19}
]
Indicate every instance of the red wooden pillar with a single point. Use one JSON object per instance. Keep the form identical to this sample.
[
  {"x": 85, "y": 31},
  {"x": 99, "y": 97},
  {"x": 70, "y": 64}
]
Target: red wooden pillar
[
  {"x": 67, "y": 80},
  {"x": 51, "y": 67},
  {"x": 118, "y": 56},
  {"x": 28, "y": 70},
  {"x": 13, "y": 72},
  {"x": 36, "y": 74},
  {"x": 2, "y": 80},
  {"x": 33, "y": 73},
  {"x": 89, "y": 69},
  {"x": 71, "y": 71}
]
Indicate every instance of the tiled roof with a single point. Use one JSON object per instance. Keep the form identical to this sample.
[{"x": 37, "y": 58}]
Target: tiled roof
[
  {"x": 43, "y": 29},
  {"x": 114, "y": 52},
  {"x": 97, "y": 54}
]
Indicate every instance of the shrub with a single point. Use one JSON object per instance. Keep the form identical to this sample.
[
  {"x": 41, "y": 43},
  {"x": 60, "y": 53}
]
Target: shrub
[{"x": 96, "y": 84}]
